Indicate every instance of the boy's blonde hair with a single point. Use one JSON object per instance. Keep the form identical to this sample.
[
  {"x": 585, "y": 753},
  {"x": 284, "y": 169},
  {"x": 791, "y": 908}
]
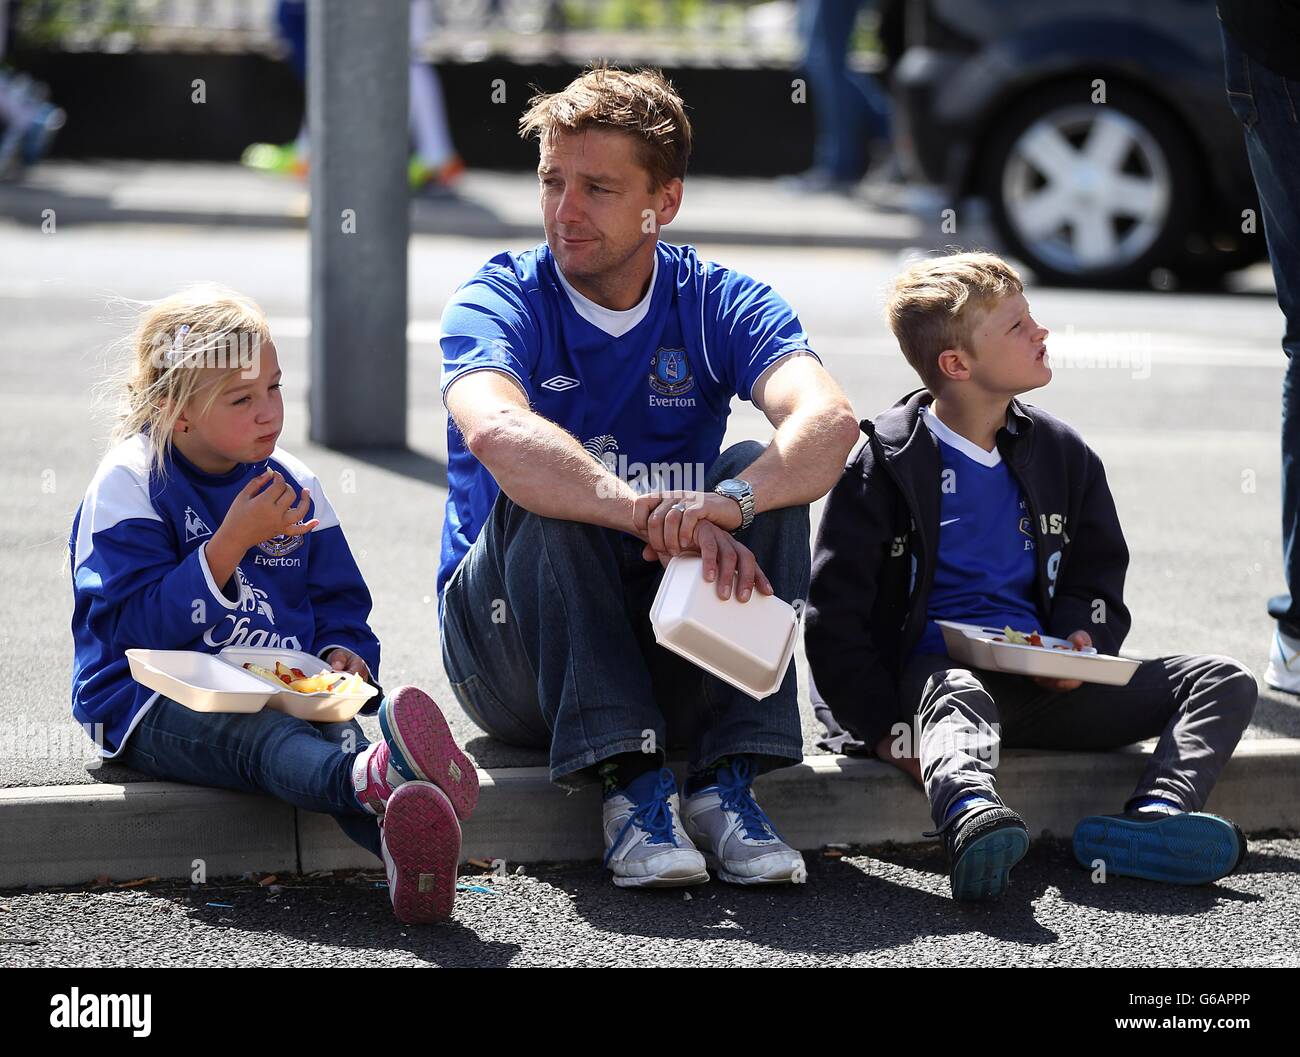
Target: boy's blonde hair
[
  {"x": 642, "y": 103},
  {"x": 936, "y": 302},
  {"x": 176, "y": 346}
]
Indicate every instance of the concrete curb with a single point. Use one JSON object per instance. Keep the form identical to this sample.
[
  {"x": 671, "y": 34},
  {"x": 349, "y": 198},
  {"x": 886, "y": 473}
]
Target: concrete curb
[{"x": 72, "y": 834}]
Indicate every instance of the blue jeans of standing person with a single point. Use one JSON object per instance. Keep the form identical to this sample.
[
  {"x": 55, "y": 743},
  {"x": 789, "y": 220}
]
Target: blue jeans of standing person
[
  {"x": 1268, "y": 106},
  {"x": 850, "y": 106},
  {"x": 547, "y": 643},
  {"x": 308, "y": 765}
]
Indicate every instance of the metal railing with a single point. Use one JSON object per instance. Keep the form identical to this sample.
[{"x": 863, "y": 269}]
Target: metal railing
[{"x": 742, "y": 32}]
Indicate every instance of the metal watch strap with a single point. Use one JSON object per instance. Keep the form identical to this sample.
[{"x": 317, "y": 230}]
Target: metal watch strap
[{"x": 746, "y": 504}]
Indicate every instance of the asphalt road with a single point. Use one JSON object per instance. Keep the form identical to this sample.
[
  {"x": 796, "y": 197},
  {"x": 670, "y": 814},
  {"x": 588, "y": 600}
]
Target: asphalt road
[{"x": 883, "y": 906}]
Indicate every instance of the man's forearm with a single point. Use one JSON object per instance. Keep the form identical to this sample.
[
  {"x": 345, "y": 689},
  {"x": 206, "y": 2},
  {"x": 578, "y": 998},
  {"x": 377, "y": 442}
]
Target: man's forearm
[
  {"x": 805, "y": 458},
  {"x": 548, "y": 472}
]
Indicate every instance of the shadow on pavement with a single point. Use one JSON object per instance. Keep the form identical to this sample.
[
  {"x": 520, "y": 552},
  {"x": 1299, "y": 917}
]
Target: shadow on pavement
[
  {"x": 1277, "y": 713},
  {"x": 403, "y": 461},
  {"x": 354, "y": 914},
  {"x": 848, "y": 906}
]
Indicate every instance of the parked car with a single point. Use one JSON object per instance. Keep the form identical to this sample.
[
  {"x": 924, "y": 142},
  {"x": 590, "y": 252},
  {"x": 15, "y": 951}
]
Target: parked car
[{"x": 1098, "y": 132}]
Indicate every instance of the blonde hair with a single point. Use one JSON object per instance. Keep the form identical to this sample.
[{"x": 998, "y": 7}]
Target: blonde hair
[
  {"x": 935, "y": 303},
  {"x": 169, "y": 357},
  {"x": 642, "y": 103}
]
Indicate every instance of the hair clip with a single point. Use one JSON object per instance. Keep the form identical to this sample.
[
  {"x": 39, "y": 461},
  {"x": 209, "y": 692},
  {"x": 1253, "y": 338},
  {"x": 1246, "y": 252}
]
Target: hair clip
[{"x": 177, "y": 352}]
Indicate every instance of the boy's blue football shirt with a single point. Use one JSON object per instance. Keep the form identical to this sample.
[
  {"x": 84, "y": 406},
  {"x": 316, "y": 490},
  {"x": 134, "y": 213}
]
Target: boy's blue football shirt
[
  {"x": 651, "y": 402},
  {"x": 986, "y": 565}
]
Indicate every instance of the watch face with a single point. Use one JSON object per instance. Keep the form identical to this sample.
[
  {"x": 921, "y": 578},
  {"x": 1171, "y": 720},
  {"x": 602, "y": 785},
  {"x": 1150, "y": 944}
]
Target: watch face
[{"x": 733, "y": 487}]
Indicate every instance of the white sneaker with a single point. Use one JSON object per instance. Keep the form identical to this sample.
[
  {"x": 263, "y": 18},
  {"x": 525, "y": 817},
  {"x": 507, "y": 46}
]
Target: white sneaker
[
  {"x": 645, "y": 845},
  {"x": 738, "y": 839},
  {"x": 1283, "y": 671}
]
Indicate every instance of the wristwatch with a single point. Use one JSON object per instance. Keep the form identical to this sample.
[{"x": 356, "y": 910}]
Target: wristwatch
[{"x": 735, "y": 488}]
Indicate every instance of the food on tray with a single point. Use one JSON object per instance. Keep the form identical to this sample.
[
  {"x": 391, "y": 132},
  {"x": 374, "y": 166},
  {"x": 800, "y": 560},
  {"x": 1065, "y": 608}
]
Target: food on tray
[
  {"x": 325, "y": 681},
  {"x": 1019, "y": 638}
]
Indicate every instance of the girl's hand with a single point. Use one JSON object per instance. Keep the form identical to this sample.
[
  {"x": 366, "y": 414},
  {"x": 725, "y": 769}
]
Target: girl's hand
[
  {"x": 267, "y": 507},
  {"x": 342, "y": 660}
]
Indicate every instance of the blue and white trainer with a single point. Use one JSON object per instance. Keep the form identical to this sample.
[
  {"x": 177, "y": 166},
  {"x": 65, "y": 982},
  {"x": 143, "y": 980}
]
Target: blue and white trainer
[
  {"x": 1283, "y": 671},
  {"x": 737, "y": 838},
  {"x": 645, "y": 845}
]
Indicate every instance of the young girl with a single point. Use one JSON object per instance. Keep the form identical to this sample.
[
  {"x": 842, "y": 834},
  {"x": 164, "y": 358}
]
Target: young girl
[{"x": 198, "y": 533}]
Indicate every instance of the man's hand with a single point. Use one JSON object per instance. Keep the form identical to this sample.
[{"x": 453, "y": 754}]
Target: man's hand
[
  {"x": 909, "y": 765},
  {"x": 667, "y": 520},
  {"x": 342, "y": 660},
  {"x": 1081, "y": 639},
  {"x": 725, "y": 560}
]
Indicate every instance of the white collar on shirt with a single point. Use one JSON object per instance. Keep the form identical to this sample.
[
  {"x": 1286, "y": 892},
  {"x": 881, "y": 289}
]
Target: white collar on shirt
[
  {"x": 613, "y": 322},
  {"x": 968, "y": 448}
]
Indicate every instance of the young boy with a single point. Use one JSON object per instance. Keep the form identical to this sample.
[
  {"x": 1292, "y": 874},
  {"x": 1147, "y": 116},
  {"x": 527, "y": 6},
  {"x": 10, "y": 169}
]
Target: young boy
[{"x": 965, "y": 504}]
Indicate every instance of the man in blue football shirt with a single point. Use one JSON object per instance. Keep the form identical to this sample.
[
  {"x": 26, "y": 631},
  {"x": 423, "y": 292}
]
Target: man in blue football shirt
[{"x": 588, "y": 382}]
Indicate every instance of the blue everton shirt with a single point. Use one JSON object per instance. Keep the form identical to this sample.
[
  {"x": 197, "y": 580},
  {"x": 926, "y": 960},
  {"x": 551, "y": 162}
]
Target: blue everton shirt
[
  {"x": 140, "y": 578},
  {"x": 647, "y": 391},
  {"x": 986, "y": 565}
]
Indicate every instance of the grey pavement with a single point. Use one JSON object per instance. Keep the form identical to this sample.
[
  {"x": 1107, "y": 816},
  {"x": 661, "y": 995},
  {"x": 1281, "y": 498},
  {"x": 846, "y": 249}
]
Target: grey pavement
[{"x": 885, "y": 905}]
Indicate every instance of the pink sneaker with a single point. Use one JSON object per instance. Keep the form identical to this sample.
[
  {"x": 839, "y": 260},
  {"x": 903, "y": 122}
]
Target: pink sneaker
[
  {"x": 420, "y": 846},
  {"x": 417, "y": 746}
]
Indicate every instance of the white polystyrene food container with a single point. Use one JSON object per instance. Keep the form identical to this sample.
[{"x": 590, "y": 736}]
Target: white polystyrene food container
[
  {"x": 199, "y": 681},
  {"x": 322, "y": 707},
  {"x": 975, "y": 646},
  {"x": 747, "y": 644}
]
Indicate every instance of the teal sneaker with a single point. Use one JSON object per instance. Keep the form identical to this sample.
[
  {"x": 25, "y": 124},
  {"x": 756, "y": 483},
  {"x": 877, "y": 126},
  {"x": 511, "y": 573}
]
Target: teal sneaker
[
  {"x": 983, "y": 843},
  {"x": 1188, "y": 848}
]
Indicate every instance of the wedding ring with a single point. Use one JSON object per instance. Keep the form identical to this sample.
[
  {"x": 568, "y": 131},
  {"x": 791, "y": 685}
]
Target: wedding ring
[{"x": 680, "y": 507}]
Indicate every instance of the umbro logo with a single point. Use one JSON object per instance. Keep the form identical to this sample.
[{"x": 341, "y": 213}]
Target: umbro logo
[{"x": 560, "y": 383}]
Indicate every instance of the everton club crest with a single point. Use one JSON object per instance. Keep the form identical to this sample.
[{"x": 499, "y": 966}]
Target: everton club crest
[{"x": 670, "y": 373}]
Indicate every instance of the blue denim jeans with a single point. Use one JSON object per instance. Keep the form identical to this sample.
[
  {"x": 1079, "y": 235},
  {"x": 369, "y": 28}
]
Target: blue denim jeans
[
  {"x": 1268, "y": 107},
  {"x": 547, "y": 642},
  {"x": 305, "y": 764},
  {"x": 850, "y": 106}
]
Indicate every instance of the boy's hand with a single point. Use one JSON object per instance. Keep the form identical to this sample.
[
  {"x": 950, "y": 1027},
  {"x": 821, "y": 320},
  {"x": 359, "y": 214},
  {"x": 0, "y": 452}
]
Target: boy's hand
[
  {"x": 1081, "y": 639},
  {"x": 267, "y": 507},
  {"x": 343, "y": 660},
  {"x": 909, "y": 765}
]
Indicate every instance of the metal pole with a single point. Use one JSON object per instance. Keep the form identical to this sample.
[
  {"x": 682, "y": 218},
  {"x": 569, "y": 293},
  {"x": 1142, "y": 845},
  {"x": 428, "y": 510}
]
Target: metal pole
[{"x": 358, "y": 105}]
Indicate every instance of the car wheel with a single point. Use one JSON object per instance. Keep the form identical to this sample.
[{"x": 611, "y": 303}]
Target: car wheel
[{"x": 1090, "y": 193}]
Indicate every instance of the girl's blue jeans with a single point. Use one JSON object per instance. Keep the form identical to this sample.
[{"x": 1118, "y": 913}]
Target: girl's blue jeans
[{"x": 308, "y": 765}]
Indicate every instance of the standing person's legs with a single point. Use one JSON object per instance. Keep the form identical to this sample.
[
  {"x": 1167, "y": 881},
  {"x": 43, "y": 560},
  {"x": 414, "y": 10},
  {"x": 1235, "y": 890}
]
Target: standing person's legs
[
  {"x": 1268, "y": 106},
  {"x": 537, "y": 644},
  {"x": 837, "y": 103},
  {"x": 428, "y": 111},
  {"x": 304, "y": 764}
]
